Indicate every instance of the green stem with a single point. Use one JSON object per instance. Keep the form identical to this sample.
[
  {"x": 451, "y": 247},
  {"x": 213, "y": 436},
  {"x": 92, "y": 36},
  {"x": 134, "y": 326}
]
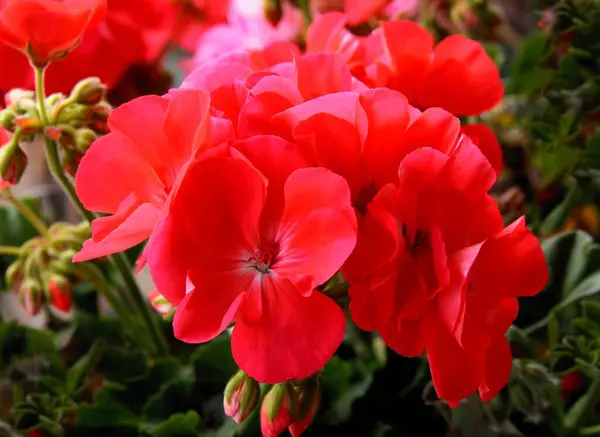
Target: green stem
[
  {"x": 10, "y": 250},
  {"x": 122, "y": 264},
  {"x": 305, "y": 9},
  {"x": 27, "y": 212},
  {"x": 119, "y": 260}
]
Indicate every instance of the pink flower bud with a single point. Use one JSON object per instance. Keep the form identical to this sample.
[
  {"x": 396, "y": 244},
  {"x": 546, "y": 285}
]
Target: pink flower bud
[
  {"x": 30, "y": 296},
  {"x": 160, "y": 303},
  {"x": 13, "y": 161},
  {"x": 59, "y": 289},
  {"x": 277, "y": 410},
  {"x": 308, "y": 402},
  {"x": 241, "y": 397},
  {"x": 89, "y": 91}
]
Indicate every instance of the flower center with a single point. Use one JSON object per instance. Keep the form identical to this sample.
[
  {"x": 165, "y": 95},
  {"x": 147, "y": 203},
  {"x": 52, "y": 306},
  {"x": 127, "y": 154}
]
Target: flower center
[
  {"x": 263, "y": 259},
  {"x": 365, "y": 196},
  {"x": 420, "y": 241}
]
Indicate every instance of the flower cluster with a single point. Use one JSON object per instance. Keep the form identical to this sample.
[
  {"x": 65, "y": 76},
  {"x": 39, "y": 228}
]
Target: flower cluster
[
  {"x": 270, "y": 174},
  {"x": 256, "y": 185}
]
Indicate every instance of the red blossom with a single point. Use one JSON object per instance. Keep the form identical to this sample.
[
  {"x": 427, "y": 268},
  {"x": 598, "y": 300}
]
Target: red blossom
[
  {"x": 487, "y": 142},
  {"x": 132, "y": 32},
  {"x": 265, "y": 239},
  {"x": 47, "y": 29},
  {"x": 456, "y": 74},
  {"x": 130, "y": 172},
  {"x": 438, "y": 286}
]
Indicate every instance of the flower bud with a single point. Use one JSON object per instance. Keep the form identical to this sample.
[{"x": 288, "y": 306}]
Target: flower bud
[
  {"x": 161, "y": 304},
  {"x": 89, "y": 91},
  {"x": 13, "y": 162},
  {"x": 17, "y": 95},
  {"x": 7, "y": 117},
  {"x": 84, "y": 138},
  {"x": 14, "y": 275},
  {"x": 308, "y": 402},
  {"x": 277, "y": 410},
  {"x": 71, "y": 160},
  {"x": 99, "y": 117},
  {"x": 28, "y": 125},
  {"x": 30, "y": 296},
  {"x": 273, "y": 11},
  {"x": 59, "y": 290},
  {"x": 241, "y": 397}
]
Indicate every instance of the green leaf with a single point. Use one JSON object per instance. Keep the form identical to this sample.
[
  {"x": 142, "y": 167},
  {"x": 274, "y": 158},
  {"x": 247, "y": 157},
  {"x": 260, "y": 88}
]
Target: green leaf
[
  {"x": 39, "y": 342},
  {"x": 80, "y": 371},
  {"x": 121, "y": 365},
  {"x": 592, "y": 155},
  {"x": 213, "y": 361},
  {"x": 91, "y": 416},
  {"x": 561, "y": 213},
  {"x": 526, "y": 72},
  {"x": 178, "y": 425},
  {"x": 587, "y": 288}
]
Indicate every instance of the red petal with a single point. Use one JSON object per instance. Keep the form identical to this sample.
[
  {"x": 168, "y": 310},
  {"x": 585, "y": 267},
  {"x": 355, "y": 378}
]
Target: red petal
[
  {"x": 498, "y": 365},
  {"x": 294, "y": 338},
  {"x": 523, "y": 270},
  {"x": 209, "y": 308},
  {"x": 111, "y": 170},
  {"x": 359, "y": 11},
  {"x": 462, "y": 78},
  {"x": 221, "y": 200},
  {"x": 122, "y": 232},
  {"x": 321, "y": 74},
  {"x": 486, "y": 140},
  {"x": 456, "y": 373},
  {"x": 318, "y": 229},
  {"x": 409, "y": 47},
  {"x": 405, "y": 337}
]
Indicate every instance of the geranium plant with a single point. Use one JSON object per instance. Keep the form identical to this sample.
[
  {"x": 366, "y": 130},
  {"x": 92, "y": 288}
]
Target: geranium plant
[{"x": 348, "y": 212}]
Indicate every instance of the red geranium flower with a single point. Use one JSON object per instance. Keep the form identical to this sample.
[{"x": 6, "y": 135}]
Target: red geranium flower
[
  {"x": 130, "y": 172},
  {"x": 47, "y": 29},
  {"x": 456, "y": 75},
  {"x": 133, "y": 32},
  {"x": 435, "y": 284},
  {"x": 252, "y": 246}
]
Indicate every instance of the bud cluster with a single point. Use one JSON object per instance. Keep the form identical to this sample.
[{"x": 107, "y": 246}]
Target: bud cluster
[
  {"x": 44, "y": 270},
  {"x": 290, "y": 405},
  {"x": 75, "y": 122}
]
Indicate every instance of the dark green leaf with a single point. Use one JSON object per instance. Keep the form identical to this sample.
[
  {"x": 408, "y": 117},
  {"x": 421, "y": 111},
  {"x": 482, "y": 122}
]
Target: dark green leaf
[
  {"x": 106, "y": 417},
  {"x": 14, "y": 228},
  {"x": 80, "y": 371},
  {"x": 213, "y": 361},
  {"x": 178, "y": 425},
  {"x": 121, "y": 365}
]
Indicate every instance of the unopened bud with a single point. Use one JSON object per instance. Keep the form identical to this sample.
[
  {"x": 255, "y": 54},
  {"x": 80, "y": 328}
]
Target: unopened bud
[
  {"x": 161, "y": 304},
  {"x": 241, "y": 397},
  {"x": 53, "y": 132},
  {"x": 14, "y": 275},
  {"x": 70, "y": 161},
  {"x": 277, "y": 410},
  {"x": 89, "y": 91},
  {"x": 13, "y": 162},
  {"x": 59, "y": 291},
  {"x": 99, "y": 121},
  {"x": 63, "y": 264},
  {"x": 273, "y": 11},
  {"x": 7, "y": 117},
  {"x": 53, "y": 99},
  {"x": 84, "y": 138},
  {"x": 308, "y": 402},
  {"x": 30, "y": 296},
  {"x": 17, "y": 95},
  {"x": 28, "y": 125}
]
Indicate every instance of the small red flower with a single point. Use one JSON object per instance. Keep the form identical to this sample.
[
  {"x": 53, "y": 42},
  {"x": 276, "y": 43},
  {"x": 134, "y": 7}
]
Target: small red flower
[
  {"x": 130, "y": 172},
  {"x": 456, "y": 75},
  {"x": 264, "y": 240},
  {"x": 47, "y": 29}
]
